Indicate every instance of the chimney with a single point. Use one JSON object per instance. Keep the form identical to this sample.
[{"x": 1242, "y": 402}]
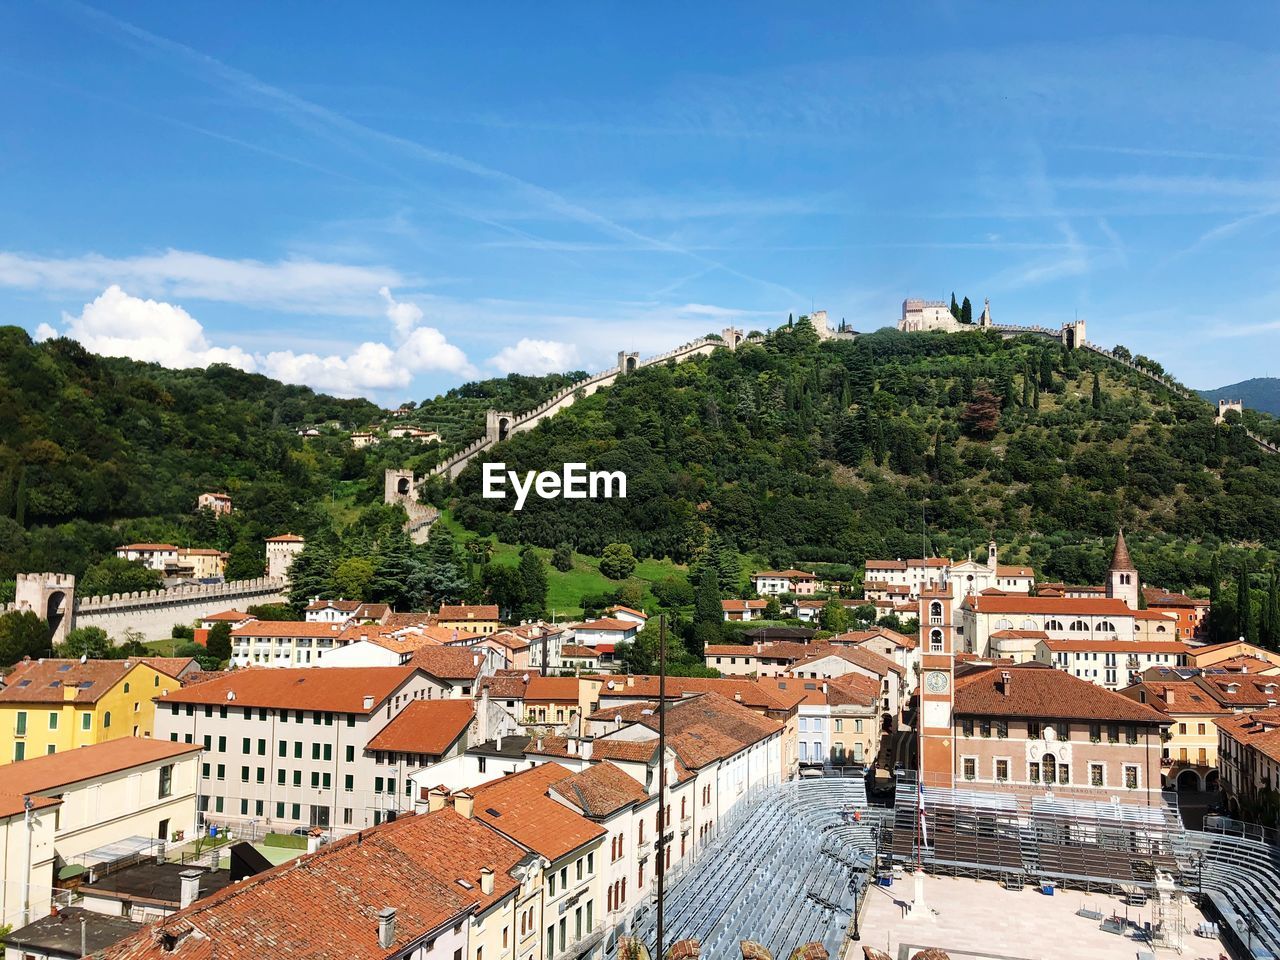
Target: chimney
[
  {"x": 463, "y": 804},
  {"x": 631, "y": 680},
  {"x": 190, "y": 890},
  {"x": 1168, "y": 695},
  {"x": 486, "y": 881},
  {"x": 386, "y": 927},
  {"x": 539, "y": 744},
  {"x": 313, "y": 842},
  {"x": 435, "y": 799},
  {"x": 573, "y": 747},
  {"x": 482, "y": 720},
  {"x": 1006, "y": 682},
  {"x": 368, "y": 702},
  {"x": 586, "y": 750},
  {"x": 475, "y": 659}
]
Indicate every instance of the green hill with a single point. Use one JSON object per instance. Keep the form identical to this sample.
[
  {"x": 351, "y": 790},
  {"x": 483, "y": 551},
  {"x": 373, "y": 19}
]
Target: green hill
[{"x": 1260, "y": 393}]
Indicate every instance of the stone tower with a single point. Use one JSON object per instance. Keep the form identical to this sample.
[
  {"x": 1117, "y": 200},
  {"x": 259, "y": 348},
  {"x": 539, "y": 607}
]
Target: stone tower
[
  {"x": 937, "y": 680},
  {"x": 280, "y": 553},
  {"x": 985, "y": 319},
  {"x": 993, "y": 556},
  {"x": 51, "y": 597},
  {"x": 398, "y": 486},
  {"x": 1122, "y": 578}
]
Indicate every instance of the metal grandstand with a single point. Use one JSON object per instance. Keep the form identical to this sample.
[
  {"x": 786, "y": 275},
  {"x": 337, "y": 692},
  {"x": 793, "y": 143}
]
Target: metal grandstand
[{"x": 782, "y": 867}]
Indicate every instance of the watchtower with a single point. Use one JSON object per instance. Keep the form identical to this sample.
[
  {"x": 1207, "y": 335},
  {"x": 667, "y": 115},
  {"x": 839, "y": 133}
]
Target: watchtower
[
  {"x": 1224, "y": 406},
  {"x": 398, "y": 486},
  {"x": 1073, "y": 335},
  {"x": 628, "y": 362},
  {"x": 497, "y": 425},
  {"x": 51, "y": 596},
  {"x": 731, "y": 337}
]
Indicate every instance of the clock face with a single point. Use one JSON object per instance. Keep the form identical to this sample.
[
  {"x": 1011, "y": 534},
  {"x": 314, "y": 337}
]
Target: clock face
[{"x": 937, "y": 681}]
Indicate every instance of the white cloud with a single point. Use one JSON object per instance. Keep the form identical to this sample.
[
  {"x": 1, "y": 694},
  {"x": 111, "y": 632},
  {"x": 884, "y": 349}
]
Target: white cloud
[
  {"x": 120, "y": 325},
  {"x": 536, "y": 357},
  {"x": 294, "y": 284},
  {"x": 404, "y": 316}
]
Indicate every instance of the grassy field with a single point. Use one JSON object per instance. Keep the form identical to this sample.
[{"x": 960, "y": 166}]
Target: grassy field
[
  {"x": 165, "y": 648},
  {"x": 566, "y": 589}
]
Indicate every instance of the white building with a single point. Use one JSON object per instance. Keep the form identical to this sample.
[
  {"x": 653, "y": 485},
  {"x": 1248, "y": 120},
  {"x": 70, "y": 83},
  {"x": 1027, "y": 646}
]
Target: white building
[
  {"x": 1113, "y": 664},
  {"x": 280, "y": 553},
  {"x": 154, "y": 556}
]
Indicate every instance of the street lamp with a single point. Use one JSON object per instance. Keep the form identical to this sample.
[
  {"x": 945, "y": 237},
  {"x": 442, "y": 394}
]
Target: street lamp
[
  {"x": 1198, "y": 859},
  {"x": 856, "y": 889}
]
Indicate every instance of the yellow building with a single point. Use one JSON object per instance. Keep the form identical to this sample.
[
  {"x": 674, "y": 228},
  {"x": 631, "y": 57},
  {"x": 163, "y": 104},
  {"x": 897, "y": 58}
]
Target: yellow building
[
  {"x": 48, "y": 706},
  {"x": 1189, "y": 758},
  {"x": 479, "y": 618}
]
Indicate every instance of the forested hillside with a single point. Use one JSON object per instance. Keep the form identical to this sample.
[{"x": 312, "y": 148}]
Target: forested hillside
[
  {"x": 804, "y": 451},
  {"x": 1260, "y": 393}
]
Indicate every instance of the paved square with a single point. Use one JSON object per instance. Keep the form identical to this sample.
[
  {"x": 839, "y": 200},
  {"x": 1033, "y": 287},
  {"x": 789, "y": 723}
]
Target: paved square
[{"x": 981, "y": 920}]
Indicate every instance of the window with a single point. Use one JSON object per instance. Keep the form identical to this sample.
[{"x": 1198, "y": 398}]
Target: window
[
  {"x": 86, "y": 720},
  {"x": 280, "y": 775},
  {"x": 297, "y": 778},
  {"x": 1097, "y": 775},
  {"x": 966, "y": 726},
  {"x": 1002, "y": 770},
  {"x": 166, "y": 780},
  {"x": 279, "y": 810},
  {"x": 19, "y": 751},
  {"x": 1033, "y": 772},
  {"x": 984, "y": 728},
  {"x": 1033, "y": 729},
  {"x": 222, "y": 744},
  {"x": 348, "y": 783},
  {"x": 106, "y": 721},
  {"x": 1130, "y": 776},
  {"x": 1002, "y": 729},
  {"x": 221, "y": 771},
  {"x": 53, "y": 721},
  {"x": 839, "y": 726},
  {"x": 1079, "y": 626},
  {"x": 351, "y": 757},
  {"x": 21, "y": 729},
  {"x": 970, "y": 767},
  {"x": 244, "y": 774}
]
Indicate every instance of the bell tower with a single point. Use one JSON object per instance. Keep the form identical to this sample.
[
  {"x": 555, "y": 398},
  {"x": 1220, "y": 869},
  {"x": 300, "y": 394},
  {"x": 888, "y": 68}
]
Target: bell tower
[
  {"x": 937, "y": 683},
  {"x": 1122, "y": 578}
]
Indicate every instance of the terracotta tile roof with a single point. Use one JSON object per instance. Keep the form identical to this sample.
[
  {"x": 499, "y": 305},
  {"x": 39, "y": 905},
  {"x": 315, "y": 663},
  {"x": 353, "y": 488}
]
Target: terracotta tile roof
[
  {"x": 608, "y": 623},
  {"x": 509, "y": 640},
  {"x": 1120, "y": 558},
  {"x": 1019, "y": 635},
  {"x": 1063, "y": 606},
  {"x": 148, "y": 547},
  {"x": 336, "y": 689},
  {"x": 482, "y": 611},
  {"x": 1156, "y": 597},
  {"x": 1155, "y": 615},
  {"x": 323, "y": 906},
  {"x": 518, "y": 805},
  {"x": 743, "y": 689},
  {"x": 86, "y": 763},
  {"x": 504, "y": 688},
  {"x": 1014, "y": 571},
  {"x": 574, "y": 650},
  {"x": 711, "y": 727},
  {"x": 627, "y": 712},
  {"x": 1038, "y": 692},
  {"x": 866, "y": 659},
  {"x": 15, "y": 805},
  {"x": 411, "y": 619},
  {"x": 286, "y": 629},
  {"x": 811, "y": 690},
  {"x": 200, "y": 552},
  {"x": 1175, "y": 697},
  {"x": 44, "y": 681},
  {"x": 632, "y": 751},
  {"x": 859, "y": 637},
  {"x": 342, "y": 606},
  {"x": 741, "y": 606},
  {"x": 170, "y": 666},
  {"x": 286, "y": 538},
  {"x": 1244, "y": 664},
  {"x": 448, "y": 663},
  {"x": 1259, "y": 730},
  {"x": 601, "y": 790},
  {"x": 1117, "y": 646},
  {"x": 784, "y": 574},
  {"x": 425, "y": 726},
  {"x": 558, "y": 689},
  {"x": 372, "y": 611},
  {"x": 233, "y": 616},
  {"x": 617, "y": 607},
  {"x": 853, "y": 690},
  {"x": 1241, "y": 690},
  {"x": 885, "y": 565}
]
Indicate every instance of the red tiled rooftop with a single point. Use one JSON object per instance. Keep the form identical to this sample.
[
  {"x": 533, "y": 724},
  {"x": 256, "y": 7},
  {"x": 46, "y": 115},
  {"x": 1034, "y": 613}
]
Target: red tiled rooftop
[
  {"x": 335, "y": 689},
  {"x": 425, "y": 726}
]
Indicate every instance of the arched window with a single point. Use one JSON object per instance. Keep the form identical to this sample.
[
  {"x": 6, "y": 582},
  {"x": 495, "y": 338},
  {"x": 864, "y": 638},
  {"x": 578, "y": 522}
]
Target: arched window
[
  {"x": 1004, "y": 624},
  {"x": 1053, "y": 624},
  {"x": 1079, "y": 626},
  {"x": 1049, "y": 765},
  {"x": 935, "y": 641},
  {"x": 106, "y": 720},
  {"x": 1106, "y": 626},
  {"x": 935, "y": 609},
  {"x": 126, "y": 687},
  {"x": 1160, "y": 630},
  {"x": 1028, "y": 625}
]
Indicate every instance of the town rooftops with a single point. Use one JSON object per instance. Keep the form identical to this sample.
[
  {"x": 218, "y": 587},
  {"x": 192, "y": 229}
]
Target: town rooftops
[
  {"x": 1063, "y": 606},
  {"x": 711, "y": 727},
  {"x": 323, "y": 906},
  {"x": 632, "y": 610},
  {"x": 558, "y": 689},
  {"x": 1156, "y": 597},
  {"x": 170, "y": 666},
  {"x": 87, "y": 763},
  {"x": 331, "y": 689},
  {"x": 46, "y": 681},
  {"x": 601, "y": 790},
  {"x": 519, "y": 807},
  {"x": 579, "y": 652},
  {"x": 506, "y": 686},
  {"x": 743, "y": 690},
  {"x": 1019, "y": 635},
  {"x": 58, "y": 934},
  {"x": 1175, "y": 697},
  {"x": 342, "y": 606},
  {"x": 1032, "y": 690},
  {"x": 231, "y": 616},
  {"x": 858, "y": 656},
  {"x": 483, "y": 611},
  {"x": 1260, "y": 730},
  {"x": 1120, "y": 558},
  {"x": 621, "y": 751},
  {"x": 1003, "y": 570},
  {"x": 742, "y": 606},
  {"x": 426, "y": 726},
  {"x": 149, "y": 547}
]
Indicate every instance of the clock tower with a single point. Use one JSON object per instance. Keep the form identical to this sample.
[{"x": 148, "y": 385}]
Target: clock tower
[{"x": 934, "y": 724}]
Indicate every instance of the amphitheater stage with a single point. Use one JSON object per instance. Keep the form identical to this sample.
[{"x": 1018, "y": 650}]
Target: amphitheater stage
[{"x": 982, "y": 920}]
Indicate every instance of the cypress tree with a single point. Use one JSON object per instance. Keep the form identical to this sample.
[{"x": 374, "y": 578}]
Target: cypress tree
[
  {"x": 1046, "y": 370},
  {"x": 966, "y": 311},
  {"x": 1035, "y": 395},
  {"x": 955, "y": 307},
  {"x": 1245, "y": 624},
  {"x": 1097, "y": 391}
]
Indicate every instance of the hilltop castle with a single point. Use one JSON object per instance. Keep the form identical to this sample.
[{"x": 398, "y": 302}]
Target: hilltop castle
[{"x": 922, "y": 315}]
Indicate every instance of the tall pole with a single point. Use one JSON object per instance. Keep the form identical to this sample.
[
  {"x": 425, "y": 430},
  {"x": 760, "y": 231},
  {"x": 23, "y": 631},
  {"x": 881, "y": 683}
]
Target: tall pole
[
  {"x": 27, "y": 808},
  {"x": 662, "y": 774}
]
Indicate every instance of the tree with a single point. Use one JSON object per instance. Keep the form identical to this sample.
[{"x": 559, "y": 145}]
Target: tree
[
  {"x": 22, "y": 634},
  {"x": 442, "y": 576},
  {"x": 503, "y": 586},
  {"x": 91, "y": 642},
  {"x": 218, "y": 643},
  {"x": 533, "y": 583},
  {"x": 618, "y": 561},
  {"x": 955, "y": 307},
  {"x": 1097, "y": 392},
  {"x": 981, "y": 418},
  {"x": 117, "y": 575},
  {"x": 772, "y": 609},
  {"x": 833, "y": 617},
  {"x": 708, "y": 615},
  {"x": 397, "y": 574},
  {"x": 562, "y": 557},
  {"x": 352, "y": 577},
  {"x": 966, "y": 311},
  {"x": 309, "y": 576},
  {"x": 1046, "y": 370},
  {"x": 640, "y": 655}
]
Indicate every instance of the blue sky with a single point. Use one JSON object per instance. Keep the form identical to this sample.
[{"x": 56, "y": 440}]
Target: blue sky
[{"x": 387, "y": 200}]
